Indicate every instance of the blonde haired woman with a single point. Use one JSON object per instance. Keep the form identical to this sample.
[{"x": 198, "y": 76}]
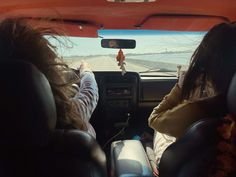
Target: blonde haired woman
[{"x": 76, "y": 96}]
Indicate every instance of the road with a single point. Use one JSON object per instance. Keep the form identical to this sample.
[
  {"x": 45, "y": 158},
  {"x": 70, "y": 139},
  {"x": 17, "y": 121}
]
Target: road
[
  {"x": 108, "y": 63},
  {"x": 105, "y": 63}
]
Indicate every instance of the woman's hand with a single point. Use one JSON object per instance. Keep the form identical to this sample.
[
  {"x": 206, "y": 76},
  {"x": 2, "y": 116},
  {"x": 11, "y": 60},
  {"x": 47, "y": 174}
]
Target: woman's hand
[
  {"x": 181, "y": 79},
  {"x": 84, "y": 66}
]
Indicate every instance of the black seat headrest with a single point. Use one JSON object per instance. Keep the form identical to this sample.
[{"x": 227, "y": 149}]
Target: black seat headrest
[
  {"x": 231, "y": 97},
  {"x": 27, "y": 111}
]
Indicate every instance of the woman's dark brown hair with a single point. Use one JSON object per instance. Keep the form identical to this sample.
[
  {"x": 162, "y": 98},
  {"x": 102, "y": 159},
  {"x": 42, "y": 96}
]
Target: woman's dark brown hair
[
  {"x": 213, "y": 61},
  {"x": 20, "y": 41}
]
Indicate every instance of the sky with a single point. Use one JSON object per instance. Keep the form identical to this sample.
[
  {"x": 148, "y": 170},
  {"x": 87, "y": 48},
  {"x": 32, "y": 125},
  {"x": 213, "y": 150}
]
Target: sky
[{"x": 147, "y": 41}]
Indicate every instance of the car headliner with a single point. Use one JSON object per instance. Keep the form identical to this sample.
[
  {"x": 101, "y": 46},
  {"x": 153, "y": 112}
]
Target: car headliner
[{"x": 85, "y": 17}]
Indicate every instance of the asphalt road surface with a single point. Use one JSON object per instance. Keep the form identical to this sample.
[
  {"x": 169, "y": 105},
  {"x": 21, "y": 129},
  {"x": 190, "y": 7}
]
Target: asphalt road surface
[{"x": 108, "y": 63}]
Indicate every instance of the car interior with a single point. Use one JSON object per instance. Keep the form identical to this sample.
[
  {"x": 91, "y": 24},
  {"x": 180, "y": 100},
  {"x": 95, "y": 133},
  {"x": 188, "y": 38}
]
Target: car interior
[{"x": 151, "y": 35}]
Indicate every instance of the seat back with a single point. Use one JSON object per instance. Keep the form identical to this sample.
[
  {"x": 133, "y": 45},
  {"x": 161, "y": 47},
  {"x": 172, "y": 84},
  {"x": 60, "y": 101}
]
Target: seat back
[
  {"x": 185, "y": 157},
  {"x": 30, "y": 144},
  {"x": 28, "y": 112},
  {"x": 72, "y": 153}
]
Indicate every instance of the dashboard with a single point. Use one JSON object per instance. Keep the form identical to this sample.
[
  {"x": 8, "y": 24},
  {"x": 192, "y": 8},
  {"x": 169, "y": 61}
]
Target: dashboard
[
  {"x": 127, "y": 101},
  {"x": 118, "y": 95}
]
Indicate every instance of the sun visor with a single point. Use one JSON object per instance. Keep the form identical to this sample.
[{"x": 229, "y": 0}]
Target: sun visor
[
  {"x": 180, "y": 22},
  {"x": 67, "y": 28}
]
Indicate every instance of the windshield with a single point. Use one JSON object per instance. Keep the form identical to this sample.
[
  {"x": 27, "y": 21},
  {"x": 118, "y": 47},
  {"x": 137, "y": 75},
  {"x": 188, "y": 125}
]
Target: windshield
[{"x": 156, "y": 51}]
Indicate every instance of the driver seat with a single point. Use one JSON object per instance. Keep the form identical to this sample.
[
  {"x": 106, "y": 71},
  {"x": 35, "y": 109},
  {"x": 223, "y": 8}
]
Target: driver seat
[{"x": 30, "y": 144}]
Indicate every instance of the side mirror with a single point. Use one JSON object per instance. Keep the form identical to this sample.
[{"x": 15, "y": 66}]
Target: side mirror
[{"x": 118, "y": 43}]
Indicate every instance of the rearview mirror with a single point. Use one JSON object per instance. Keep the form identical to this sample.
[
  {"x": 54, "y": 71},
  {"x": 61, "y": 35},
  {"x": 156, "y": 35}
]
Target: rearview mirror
[{"x": 118, "y": 43}]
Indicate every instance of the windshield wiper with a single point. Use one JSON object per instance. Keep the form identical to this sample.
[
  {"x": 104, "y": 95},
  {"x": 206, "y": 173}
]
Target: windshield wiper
[{"x": 163, "y": 70}]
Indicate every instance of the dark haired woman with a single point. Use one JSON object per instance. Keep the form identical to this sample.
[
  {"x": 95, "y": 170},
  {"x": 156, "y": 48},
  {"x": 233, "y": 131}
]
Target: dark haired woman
[{"x": 202, "y": 92}]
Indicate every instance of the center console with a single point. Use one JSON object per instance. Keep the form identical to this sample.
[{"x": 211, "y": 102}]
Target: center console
[{"x": 118, "y": 99}]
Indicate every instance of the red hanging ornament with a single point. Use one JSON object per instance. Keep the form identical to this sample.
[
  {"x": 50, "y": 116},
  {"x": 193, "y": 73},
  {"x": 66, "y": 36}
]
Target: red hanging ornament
[{"x": 121, "y": 58}]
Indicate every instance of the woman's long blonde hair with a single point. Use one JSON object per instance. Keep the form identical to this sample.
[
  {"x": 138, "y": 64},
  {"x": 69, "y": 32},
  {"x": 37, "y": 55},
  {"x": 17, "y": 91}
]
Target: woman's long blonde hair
[{"x": 21, "y": 41}]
